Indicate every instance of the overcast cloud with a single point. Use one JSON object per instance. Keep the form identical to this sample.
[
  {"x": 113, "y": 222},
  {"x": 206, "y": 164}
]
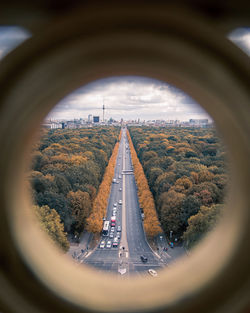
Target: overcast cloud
[{"x": 127, "y": 97}]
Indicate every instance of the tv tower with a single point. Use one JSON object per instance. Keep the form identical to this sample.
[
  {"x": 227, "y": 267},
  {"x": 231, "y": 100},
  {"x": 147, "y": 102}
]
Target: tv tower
[{"x": 103, "y": 110}]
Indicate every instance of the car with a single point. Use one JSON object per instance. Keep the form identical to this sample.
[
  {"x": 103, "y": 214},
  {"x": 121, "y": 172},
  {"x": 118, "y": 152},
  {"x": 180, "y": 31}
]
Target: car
[
  {"x": 115, "y": 239},
  {"x": 112, "y": 229},
  {"x": 118, "y": 235},
  {"x": 117, "y": 181},
  {"x": 114, "y": 180},
  {"x": 119, "y": 228},
  {"x": 114, "y": 213},
  {"x": 102, "y": 244},
  {"x": 108, "y": 245},
  {"x": 115, "y": 244},
  {"x": 152, "y": 272},
  {"x": 111, "y": 235},
  {"x": 120, "y": 189},
  {"x": 115, "y": 204},
  {"x": 119, "y": 176},
  {"x": 144, "y": 259},
  {"x": 120, "y": 201},
  {"x": 112, "y": 224}
]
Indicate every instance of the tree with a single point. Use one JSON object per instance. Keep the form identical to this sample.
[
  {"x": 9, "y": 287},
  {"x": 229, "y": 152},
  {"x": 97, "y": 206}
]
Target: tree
[
  {"x": 170, "y": 206},
  {"x": 151, "y": 223},
  {"x": 80, "y": 206},
  {"x": 185, "y": 169},
  {"x": 201, "y": 223},
  {"x": 51, "y": 223}
]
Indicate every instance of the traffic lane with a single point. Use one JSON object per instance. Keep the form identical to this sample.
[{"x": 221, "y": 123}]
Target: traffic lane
[
  {"x": 138, "y": 243},
  {"x": 107, "y": 253},
  {"x": 135, "y": 231}
]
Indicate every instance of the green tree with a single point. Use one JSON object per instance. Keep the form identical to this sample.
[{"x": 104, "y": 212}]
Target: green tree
[
  {"x": 201, "y": 223},
  {"x": 51, "y": 223}
]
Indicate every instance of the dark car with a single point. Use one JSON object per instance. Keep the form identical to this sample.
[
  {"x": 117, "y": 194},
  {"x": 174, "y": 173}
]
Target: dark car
[{"x": 144, "y": 258}]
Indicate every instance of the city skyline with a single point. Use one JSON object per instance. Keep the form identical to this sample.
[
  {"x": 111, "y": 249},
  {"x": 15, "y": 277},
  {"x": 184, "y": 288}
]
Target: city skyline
[{"x": 130, "y": 98}]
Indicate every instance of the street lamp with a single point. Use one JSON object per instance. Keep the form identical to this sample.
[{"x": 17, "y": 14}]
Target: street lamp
[{"x": 171, "y": 234}]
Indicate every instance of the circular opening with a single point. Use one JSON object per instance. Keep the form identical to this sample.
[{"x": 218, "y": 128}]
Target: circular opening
[
  {"x": 184, "y": 162},
  {"x": 60, "y": 62}
]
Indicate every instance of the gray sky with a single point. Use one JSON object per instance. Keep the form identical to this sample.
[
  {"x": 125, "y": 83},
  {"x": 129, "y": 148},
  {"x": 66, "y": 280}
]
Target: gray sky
[{"x": 130, "y": 97}]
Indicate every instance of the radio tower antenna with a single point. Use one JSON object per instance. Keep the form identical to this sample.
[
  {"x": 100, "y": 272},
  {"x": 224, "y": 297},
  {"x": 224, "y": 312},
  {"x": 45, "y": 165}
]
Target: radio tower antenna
[{"x": 103, "y": 109}]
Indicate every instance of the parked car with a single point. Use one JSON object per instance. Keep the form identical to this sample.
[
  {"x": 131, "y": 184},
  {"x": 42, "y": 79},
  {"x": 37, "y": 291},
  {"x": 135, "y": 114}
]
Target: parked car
[
  {"x": 102, "y": 244},
  {"x": 152, "y": 272},
  {"x": 144, "y": 259}
]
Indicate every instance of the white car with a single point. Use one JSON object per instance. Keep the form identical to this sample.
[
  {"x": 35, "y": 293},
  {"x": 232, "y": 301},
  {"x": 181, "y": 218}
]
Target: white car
[
  {"x": 119, "y": 177},
  {"x": 120, "y": 189},
  {"x": 115, "y": 204},
  {"x": 120, "y": 201},
  {"x": 109, "y": 244},
  {"x": 112, "y": 229},
  {"x": 152, "y": 272},
  {"x": 114, "y": 213},
  {"x": 102, "y": 244}
]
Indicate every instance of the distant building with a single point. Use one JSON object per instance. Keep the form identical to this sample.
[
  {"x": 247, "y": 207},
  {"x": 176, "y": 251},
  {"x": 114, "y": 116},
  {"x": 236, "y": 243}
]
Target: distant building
[
  {"x": 199, "y": 121},
  {"x": 96, "y": 119},
  {"x": 90, "y": 118},
  {"x": 52, "y": 125}
]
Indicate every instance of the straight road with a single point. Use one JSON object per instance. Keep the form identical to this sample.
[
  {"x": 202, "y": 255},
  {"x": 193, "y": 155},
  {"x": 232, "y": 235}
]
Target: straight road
[{"x": 126, "y": 258}]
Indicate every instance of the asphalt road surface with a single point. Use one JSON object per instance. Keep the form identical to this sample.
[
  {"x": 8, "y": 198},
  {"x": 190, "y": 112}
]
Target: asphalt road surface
[{"x": 126, "y": 258}]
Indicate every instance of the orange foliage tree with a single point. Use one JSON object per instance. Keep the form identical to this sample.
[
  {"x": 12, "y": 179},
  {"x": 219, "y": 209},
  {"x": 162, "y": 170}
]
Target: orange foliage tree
[
  {"x": 151, "y": 223},
  {"x": 95, "y": 220}
]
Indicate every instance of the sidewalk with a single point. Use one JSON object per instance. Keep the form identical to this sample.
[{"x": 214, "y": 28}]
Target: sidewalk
[
  {"x": 78, "y": 250},
  {"x": 172, "y": 254}
]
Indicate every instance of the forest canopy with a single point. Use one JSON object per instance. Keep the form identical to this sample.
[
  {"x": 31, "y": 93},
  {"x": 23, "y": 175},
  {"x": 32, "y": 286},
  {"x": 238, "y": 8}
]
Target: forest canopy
[
  {"x": 67, "y": 169},
  {"x": 186, "y": 170}
]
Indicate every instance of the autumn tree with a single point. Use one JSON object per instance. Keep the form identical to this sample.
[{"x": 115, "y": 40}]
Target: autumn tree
[
  {"x": 51, "y": 223},
  {"x": 67, "y": 169},
  {"x": 80, "y": 206},
  {"x": 151, "y": 223},
  {"x": 95, "y": 221},
  {"x": 185, "y": 169}
]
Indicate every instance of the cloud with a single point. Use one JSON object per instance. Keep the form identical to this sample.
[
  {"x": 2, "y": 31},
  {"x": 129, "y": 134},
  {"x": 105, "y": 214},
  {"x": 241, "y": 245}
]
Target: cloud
[{"x": 128, "y": 97}]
